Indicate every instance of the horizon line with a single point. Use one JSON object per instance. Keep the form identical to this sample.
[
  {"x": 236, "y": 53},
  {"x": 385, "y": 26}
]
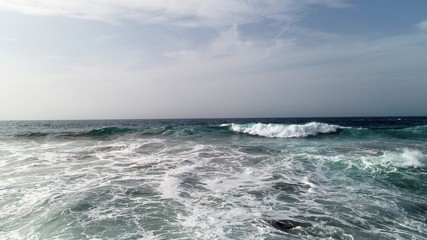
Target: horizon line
[{"x": 212, "y": 118}]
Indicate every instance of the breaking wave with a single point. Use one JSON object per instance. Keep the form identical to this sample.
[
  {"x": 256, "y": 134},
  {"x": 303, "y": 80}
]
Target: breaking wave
[
  {"x": 405, "y": 159},
  {"x": 282, "y": 130},
  {"x": 269, "y": 130}
]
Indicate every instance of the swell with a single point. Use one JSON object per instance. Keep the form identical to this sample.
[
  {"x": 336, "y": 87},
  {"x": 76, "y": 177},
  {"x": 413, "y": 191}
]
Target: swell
[
  {"x": 107, "y": 131},
  {"x": 312, "y": 129},
  {"x": 92, "y": 133},
  {"x": 417, "y": 132},
  {"x": 113, "y": 131},
  {"x": 267, "y": 130},
  {"x": 272, "y": 130},
  {"x": 403, "y": 168}
]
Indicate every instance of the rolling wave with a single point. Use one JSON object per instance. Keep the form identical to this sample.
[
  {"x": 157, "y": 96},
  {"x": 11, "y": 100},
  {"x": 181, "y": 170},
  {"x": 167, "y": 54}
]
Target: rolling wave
[
  {"x": 416, "y": 130},
  {"x": 110, "y": 132},
  {"x": 405, "y": 159},
  {"x": 107, "y": 131},
  {"x": 274, "y": 130},
  {"x": 283, "y": 130},
  {"x": 268, "y": 130},
  {"x": 92, "y": 133}
]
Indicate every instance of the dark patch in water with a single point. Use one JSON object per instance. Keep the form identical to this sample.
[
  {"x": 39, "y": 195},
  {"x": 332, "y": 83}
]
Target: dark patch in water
[
  {"x": 190, "y": 181},
  {"x": 417, "y": 208},
  {"x": 413, "y": 179},
  {"x": 140, "y": 191},
  {"x": 82, "y": 206},
  {"x": 287, "y": 187},
  {"x": 287, "y": 225}
]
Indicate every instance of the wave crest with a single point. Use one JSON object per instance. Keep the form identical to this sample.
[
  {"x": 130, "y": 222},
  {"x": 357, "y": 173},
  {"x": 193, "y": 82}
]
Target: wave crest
[
  {"x": 408, "y": 158},
  {"x": 107, "y": 131},
  {"x": 282, "y": 130}
]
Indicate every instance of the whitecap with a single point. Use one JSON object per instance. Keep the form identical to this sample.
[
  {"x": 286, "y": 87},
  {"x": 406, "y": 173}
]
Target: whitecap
[
  {"x": 407, "y": 158},
  {"x": 282, "y": 130},
  {"x": 393, "y": 160}
]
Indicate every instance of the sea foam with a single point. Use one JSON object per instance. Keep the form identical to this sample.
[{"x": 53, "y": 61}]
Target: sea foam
[
  {"x": 407, "y": 158},
  {"x": 282, "y": 130}
]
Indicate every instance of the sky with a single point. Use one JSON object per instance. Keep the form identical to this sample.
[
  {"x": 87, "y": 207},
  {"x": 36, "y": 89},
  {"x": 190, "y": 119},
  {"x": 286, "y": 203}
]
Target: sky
[{"x": 124, "y": 59}]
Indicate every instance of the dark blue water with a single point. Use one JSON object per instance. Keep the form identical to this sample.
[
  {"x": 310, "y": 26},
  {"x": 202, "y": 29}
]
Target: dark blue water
[{"x": 300, "y": 178}]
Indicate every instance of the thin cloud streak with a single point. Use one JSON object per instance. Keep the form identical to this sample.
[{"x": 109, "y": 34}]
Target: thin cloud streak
[
  {"x": 422, "y": 25},
  {"x": 232, "y": 77},
  {"x": 187, "y": 13}
]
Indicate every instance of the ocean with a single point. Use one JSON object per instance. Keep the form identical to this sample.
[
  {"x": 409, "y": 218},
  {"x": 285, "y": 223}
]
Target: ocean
[{"x": 287, "y": 178}]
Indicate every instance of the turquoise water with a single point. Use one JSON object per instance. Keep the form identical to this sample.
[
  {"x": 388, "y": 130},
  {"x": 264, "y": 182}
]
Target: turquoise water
[{"x": 337, "y": 178}]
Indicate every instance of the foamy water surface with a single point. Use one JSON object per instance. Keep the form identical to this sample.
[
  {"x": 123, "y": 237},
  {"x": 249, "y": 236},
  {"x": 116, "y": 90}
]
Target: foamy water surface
[{"x": 213, "y": 179}]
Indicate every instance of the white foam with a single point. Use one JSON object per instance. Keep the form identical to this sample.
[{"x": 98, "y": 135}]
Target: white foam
[
  {"x": 306, "y": 181},
  {"x": 282, "y": 130},
  {"x": 393, "y": 160},
  {"x": 189, "y": 188},
  {"x": 407, "y": 158},
  {"x": 169, "y": 187}
]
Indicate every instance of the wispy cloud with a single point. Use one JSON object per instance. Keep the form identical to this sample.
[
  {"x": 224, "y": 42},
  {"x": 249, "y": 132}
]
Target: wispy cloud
[
  {"x": 422, "y": 25},
  {"x": 188, "y": 13},
  {"x": 214, "y": 58}
]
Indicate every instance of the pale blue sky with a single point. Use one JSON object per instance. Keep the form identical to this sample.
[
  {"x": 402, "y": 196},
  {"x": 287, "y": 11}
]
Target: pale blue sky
[{"x": 193, "y": 58}]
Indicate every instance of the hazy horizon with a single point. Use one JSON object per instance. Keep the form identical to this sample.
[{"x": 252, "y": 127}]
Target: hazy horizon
[
  {"x": 211, "y": 118},
  {"x": 212, "y": 59}
]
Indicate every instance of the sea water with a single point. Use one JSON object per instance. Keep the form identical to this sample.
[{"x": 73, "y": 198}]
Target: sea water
[{"x": 324, "y": 178}]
